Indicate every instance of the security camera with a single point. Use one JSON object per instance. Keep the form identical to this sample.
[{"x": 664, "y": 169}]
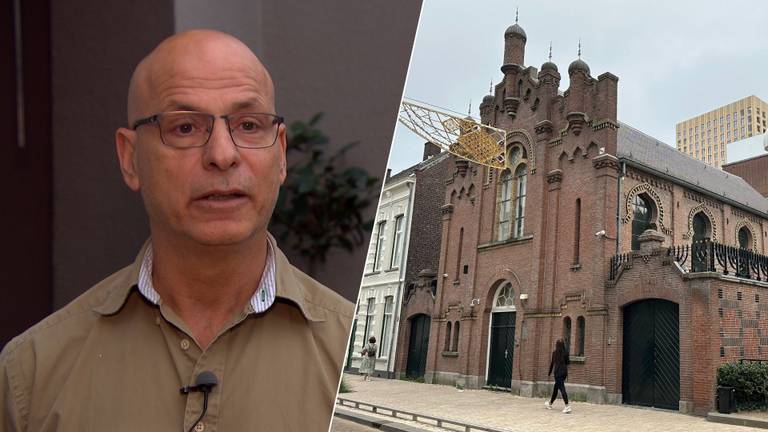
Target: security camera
[{"x": 600, "y": 233}]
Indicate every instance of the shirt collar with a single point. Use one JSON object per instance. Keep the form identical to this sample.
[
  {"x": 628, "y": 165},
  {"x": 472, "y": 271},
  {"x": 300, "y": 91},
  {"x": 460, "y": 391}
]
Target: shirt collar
[
  {"x": 289, "y": 284},
  {"x": 262, "y": 298}
]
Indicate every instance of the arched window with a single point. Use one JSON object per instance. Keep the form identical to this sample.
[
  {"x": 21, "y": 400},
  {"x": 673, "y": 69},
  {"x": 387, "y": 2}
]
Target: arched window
[
  {"x": 701, "y": 231},
  {"x": 641, "y": 218},
  {"x": 580, "y": 327},
  {"x": 577, "y": 232},
  {"x": 505, "y": 298},
  {"x": 447, "y": 346},
  {"x": 520, "y": 181},
  {"x": 505, "y": 205},
  {"x": 701, "y": 227},
  {"x": 458, "y": 252},
  {"x": 456, "y": 327},
  {"x": 511, "y": 195},
  {"x": 745, "y": 238},
  {"x": 567, "y": 333}
]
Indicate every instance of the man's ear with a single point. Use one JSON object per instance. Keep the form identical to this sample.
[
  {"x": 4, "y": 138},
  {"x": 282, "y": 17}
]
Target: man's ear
[
  {"x": 282, "y": 139},
  {"x": 125, "y": 144}
]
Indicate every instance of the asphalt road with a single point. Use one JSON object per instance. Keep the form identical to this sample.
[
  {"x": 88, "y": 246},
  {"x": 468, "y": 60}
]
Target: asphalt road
[{"x": 341, "y": 425}]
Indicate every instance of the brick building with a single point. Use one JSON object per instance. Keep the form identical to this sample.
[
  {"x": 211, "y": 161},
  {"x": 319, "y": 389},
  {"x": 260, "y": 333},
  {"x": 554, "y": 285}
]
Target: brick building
[
  {"x": 407, "y": 215},
  {"x": 573, "y": 241},
  {"x": 753, "y": 171}
]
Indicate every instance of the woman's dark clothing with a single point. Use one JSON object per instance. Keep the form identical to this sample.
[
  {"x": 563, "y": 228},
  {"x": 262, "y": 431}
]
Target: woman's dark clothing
[
  {"x": 559, "y": 365},
  {"x": 559, "y": 385}
]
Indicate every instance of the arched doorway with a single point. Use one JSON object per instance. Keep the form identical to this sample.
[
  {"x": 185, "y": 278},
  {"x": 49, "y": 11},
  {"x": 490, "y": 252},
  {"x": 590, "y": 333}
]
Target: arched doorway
[
  {"x": 417, "y": 346},
  {"x": 651, "y": 354},
  {"x": 701, "y": 231},
  {"x": 501, "y": 345}
]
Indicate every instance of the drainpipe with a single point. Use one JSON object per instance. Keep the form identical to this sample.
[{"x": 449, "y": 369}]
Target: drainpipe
[
  {"x": 401, "y": 276},
  {"x": 622, "y": 173}
]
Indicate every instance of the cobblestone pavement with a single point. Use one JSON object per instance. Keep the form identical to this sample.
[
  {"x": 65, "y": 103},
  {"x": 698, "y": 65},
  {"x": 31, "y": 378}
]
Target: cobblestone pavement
[{"x": 520, "y": 414}]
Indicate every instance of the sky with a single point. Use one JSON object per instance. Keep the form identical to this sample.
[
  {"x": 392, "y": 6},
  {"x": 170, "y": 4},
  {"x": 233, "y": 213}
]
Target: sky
[{"x": 674, "y": 59}]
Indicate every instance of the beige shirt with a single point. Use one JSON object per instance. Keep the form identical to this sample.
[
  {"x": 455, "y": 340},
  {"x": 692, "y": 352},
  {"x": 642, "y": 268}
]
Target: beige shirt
[{"x": 113, "y": 361}]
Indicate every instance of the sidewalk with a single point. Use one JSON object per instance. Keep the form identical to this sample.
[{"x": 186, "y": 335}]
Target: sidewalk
[{"x": 520, "y": 414}]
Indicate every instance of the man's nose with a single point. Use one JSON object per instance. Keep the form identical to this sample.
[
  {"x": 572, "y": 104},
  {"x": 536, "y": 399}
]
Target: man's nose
[{"x": 220, "y": 152}]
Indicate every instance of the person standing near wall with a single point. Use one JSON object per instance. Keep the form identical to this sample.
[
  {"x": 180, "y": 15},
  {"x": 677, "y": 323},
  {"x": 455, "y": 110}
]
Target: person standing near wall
[
  {"x": 369, "y": 359},
  {"x": 559, "y": 365}
]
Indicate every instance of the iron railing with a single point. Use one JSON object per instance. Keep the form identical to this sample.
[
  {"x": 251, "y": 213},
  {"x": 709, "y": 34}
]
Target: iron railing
[{"x": 708, "y": 256}]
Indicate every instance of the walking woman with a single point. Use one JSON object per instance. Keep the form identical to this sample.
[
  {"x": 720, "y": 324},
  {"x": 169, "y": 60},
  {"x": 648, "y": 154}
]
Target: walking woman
[
  {"x": 369, "y": 359},
  {"x": 559, "y": 365}
]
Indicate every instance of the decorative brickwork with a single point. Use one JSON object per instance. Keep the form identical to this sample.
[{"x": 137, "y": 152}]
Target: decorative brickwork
[
  {"x": 560, "y": 269},
  {"x": 704, "y": 209}
]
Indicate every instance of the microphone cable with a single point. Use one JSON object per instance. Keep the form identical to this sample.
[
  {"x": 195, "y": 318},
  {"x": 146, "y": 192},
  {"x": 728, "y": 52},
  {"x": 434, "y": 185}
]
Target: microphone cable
[{"x": 204, "y": 383}]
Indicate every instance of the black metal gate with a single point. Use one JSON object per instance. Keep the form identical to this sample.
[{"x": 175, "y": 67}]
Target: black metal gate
[
  {"x": 417, "y": 346},
  {"x": 502, "y": 348},
  {"x": 651, "y": 370}
]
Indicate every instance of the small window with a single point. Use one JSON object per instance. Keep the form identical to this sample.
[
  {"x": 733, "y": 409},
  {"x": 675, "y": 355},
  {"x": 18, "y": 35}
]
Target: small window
[
  {"x": 580, "y": 329},
  {"x": 567, "y": 333},
  {"x": 577, "y": 232},
  {"x": 447, "y": 346},
  {"x": 456, "y": 327},
  {"x": 466, "y": 269},
  {"x": 397, "y": 246},
  {"x": 379, "y": 252}
]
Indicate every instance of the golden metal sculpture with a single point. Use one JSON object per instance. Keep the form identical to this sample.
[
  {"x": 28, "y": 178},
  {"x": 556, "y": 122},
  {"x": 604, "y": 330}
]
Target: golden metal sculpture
[{"x": 463, "y": 137}]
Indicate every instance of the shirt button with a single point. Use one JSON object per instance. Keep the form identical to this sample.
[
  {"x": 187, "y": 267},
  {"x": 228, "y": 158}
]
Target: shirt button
[
  {"x": 200, "y": 427},
  {"x": 185, "y": 345}
]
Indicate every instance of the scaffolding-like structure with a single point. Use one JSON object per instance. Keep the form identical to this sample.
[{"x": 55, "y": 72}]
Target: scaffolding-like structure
[{"x": 461, "y": 136}]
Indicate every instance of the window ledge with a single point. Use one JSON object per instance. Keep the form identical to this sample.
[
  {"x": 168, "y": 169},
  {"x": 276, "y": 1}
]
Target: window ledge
[
  {"x": 575, "y": 267},
  {"x": 373, "y": 273},
  {"x": 450, "y": 353},
  {"x": 578, "y": 359},
  {"x": 392, "y": 269},
  {"x": 511, "y": 241}
]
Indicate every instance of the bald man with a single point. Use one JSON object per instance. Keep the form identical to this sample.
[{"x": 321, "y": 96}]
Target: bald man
[{"x": 211, "y": 328}]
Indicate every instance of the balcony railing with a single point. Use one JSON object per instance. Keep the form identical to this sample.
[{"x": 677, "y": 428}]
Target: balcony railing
[{"x": 709, "y": 256}]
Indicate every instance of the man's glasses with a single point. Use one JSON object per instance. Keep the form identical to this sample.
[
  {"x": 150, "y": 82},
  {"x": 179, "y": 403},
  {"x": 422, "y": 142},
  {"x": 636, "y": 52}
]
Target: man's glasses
[{"x": 188, "y": 129}]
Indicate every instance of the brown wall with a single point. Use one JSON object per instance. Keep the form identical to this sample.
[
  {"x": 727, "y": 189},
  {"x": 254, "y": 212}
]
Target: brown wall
[
  {"x": 99, "y": 224},
  {"x": 752, "y": 171},
  {"x": 25, "y": 170}
]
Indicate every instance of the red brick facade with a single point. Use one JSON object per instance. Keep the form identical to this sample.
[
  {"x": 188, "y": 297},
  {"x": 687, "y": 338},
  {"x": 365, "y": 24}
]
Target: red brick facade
[
  {"x": 558, "y": 268},
  {"x": 752, "y": 171}
]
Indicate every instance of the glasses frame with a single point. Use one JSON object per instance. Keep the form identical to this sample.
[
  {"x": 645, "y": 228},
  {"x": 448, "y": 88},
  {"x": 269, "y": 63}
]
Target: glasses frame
[{"x": 155, "y": 119}]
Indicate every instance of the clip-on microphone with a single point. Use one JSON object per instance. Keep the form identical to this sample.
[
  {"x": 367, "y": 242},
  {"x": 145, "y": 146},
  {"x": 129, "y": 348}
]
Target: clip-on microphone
[{"x": 204, "y": 383}]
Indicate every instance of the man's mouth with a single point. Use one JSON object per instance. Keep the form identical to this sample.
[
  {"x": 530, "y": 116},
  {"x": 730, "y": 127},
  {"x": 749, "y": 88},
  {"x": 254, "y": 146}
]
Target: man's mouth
[{"x": 222, "y": 195}]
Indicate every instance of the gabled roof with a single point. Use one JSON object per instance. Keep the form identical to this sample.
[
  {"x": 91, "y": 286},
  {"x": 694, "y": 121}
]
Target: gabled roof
[
  {"x": 418, "y": 167},
  {"x": 650, "y": 154}
]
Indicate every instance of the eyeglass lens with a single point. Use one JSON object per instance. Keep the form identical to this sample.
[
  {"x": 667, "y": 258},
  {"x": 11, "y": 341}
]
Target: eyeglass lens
[{"x": 192, "y": 129}]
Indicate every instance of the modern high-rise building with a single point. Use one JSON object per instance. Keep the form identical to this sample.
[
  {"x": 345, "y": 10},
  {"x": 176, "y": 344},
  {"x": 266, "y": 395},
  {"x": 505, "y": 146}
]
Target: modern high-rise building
[{"x": 706, "y": 136}]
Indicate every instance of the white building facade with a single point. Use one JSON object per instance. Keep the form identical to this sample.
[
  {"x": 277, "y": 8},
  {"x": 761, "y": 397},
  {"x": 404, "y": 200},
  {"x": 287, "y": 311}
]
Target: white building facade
[{"x": 381, "y": 290}]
